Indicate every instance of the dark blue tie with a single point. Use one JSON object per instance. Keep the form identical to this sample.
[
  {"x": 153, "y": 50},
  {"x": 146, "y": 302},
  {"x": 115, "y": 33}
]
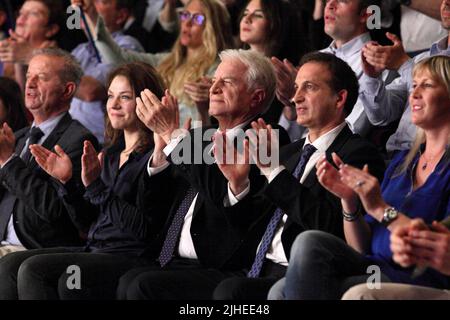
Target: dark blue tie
[
  {"x": 267, "y": 238},
  {"x": 173, "y": 233}
]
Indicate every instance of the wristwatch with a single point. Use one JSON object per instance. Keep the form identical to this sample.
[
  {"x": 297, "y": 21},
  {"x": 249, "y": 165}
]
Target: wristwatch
[{"x": 390, "y": 214}]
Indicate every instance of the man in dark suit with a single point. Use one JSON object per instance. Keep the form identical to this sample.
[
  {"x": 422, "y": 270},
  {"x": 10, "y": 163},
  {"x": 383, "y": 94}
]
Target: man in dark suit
[
  {"x": 291, "y": 200},
  {"x": 201, "y": 244},
  {"x": 32, "y": 215}
]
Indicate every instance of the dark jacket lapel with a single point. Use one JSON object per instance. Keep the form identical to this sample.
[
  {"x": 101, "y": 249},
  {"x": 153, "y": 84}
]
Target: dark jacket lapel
[
  {"x": 295, "y": 151},
  {"x": 339, "y": 142},
  {"x": 336, "y": 146},
  {"x": 54, "y": 136},
  {"x": 20, "y": 139}
]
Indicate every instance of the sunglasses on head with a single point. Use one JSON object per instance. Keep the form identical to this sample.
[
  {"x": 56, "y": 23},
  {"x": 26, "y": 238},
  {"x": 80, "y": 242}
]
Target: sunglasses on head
[{"x": 196, "y": 18}]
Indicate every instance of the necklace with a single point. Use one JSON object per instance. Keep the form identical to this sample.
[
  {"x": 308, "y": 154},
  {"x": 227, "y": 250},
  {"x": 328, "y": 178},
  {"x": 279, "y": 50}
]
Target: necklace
[
  {"x": 424, "y": 166},
  {"x": 427, "y": 160}
]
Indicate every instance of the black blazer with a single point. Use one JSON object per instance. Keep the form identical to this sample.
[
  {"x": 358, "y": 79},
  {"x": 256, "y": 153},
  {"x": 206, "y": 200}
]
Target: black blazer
[
  {"x": 216, "y": 235},
  {"x": 308, "y": 205},
  {"x": 40, "y": 217}
]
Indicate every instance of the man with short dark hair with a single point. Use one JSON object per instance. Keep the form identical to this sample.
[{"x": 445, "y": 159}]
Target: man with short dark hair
[
  {"x": 346, "y": 23},
  {"x": 292, "y": 200}
]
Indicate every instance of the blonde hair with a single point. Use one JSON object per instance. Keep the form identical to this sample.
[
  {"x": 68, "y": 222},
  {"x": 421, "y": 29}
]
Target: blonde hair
[
  {"x": 177, "y": 68},
  {"x": 439, "y": 69}
]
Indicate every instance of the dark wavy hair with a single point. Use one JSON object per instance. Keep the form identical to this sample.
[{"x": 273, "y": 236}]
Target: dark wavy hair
[
  {"x": 11, "y": 96},
  {"x": 140, "y": 76}
]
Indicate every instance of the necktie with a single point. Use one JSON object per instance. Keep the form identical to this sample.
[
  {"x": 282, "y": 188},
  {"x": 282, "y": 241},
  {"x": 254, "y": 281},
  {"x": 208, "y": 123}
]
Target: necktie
[
  {"x": 8, "y": 201},
  {"x": 35, "y": 135},
  {"x": 173, "y": 233},
  {"x": 267, "y": 238}
]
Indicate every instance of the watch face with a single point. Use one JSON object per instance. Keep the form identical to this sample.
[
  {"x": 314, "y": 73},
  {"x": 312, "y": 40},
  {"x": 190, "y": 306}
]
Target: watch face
[
  {"x": 392, "y": 214},
  {"x": 389, "y": 215}
]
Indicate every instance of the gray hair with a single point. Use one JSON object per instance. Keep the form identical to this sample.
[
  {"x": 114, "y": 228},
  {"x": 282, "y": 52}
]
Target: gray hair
[
  {"x": 260, "y": 72},
  {"x": 71, "y": 70}
]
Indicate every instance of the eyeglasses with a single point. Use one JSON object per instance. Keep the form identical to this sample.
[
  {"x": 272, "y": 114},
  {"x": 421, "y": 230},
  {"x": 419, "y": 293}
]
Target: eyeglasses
[{"x": 196, "y": 18}]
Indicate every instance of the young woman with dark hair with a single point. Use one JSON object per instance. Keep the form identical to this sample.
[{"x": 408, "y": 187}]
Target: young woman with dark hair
[{"x": 117, "y": 213}]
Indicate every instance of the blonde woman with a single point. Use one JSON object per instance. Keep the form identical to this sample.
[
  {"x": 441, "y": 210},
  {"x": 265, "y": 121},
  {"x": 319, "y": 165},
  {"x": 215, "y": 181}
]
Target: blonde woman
[
  {"x": 415, "y": 185},
  {"x": 205, "y": 31}
]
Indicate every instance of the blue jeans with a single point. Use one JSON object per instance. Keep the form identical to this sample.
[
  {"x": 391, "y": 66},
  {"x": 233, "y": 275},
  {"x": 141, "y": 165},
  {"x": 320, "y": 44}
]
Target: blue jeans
[{"x": 321, "y": 267}]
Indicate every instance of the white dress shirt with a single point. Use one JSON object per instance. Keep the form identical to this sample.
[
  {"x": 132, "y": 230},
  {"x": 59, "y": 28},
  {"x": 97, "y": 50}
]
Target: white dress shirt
[
  {"x": 276, "y": 251},
  {"x": 186, "y": 247}
]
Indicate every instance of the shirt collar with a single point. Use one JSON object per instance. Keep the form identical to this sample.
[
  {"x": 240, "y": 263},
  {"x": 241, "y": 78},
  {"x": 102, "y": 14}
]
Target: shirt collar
[
  {"x": 50, "y": 124},
  {"x": 351, "y": 47},
  {"x": 440, "y": 47},
  {"x": 324, "y": 141},
  {"x": 233, "y": 132}
]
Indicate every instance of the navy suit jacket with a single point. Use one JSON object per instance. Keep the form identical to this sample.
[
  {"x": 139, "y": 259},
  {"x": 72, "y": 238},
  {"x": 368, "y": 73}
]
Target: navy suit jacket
[{"x": 308, "y": 205}]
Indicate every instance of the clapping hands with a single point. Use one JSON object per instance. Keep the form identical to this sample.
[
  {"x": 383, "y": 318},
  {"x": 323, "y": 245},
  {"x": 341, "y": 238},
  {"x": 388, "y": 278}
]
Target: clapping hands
[
  {"x": 350, "y": 183},
  {"x": 57, "y": 164}
]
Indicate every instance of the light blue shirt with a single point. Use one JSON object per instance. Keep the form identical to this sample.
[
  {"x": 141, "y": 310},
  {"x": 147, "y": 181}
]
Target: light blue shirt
[
  {"x": 387, "y": 103},
  {"x": 357, "y": 120},
  {"x": 92, "y": 114},
  {"x": 46, "y": 127},
  {"x": 350, "y": 52}
]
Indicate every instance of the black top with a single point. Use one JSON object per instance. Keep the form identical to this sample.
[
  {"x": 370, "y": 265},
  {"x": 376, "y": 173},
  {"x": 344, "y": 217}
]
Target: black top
[{"x": 119, "y": 211}]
